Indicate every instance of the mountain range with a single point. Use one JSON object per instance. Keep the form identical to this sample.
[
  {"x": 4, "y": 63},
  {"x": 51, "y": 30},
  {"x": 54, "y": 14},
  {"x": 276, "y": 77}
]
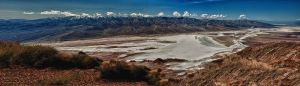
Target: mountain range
[{"x": 70, "y": 28}]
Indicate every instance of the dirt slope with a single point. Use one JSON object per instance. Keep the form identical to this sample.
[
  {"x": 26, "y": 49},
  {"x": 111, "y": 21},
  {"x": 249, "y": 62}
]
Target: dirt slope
[{"x": 272, "y": 64}]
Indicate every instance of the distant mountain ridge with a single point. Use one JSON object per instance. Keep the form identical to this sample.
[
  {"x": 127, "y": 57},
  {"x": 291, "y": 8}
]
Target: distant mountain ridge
[{"x": 70, "y": 28}]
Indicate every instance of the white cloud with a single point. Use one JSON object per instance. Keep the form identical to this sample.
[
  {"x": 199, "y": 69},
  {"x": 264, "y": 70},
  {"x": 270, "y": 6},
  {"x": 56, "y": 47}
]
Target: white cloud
[
  {"x": 146, "y": 15},
  {"x": 204, "y": 15},
  {"x": 85, "y": 15},
  {"x": 217, "y": 16},
  {"x": 133, "y": 14},
  {"x": 66, "y": 13},
  {"x": 161, "y": 14},
  {"x": 55, "y": 12},
  {"x": 243, "y": 16},
  {"x": 98, "y": 14},
  {"x": 186, "y": 14},
  {"x": 28, "y": 13},
  {"x": 69, "y": 14},
  {"x": 140, "y": 15},
  {"x": 110, "y": 14},
  {"x": 176, "y": 14},
  {"x": 51, "y": 12},
  {"x": 213, "y": 16}
]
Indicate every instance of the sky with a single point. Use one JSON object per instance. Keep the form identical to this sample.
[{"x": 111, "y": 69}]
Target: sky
[{"x": 267, "y": 10}]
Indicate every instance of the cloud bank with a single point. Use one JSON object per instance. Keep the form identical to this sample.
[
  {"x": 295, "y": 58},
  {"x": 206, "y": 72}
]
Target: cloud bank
[
  {"x": 213, "y": 16},
  {"x": 160, "y": 14},
  {"x": 176, "y": 14},
  {"x": 55, "y": 12},
  {"x": 112, "y": 14},
  {"x": 98, "y": 14},
  {"x": 243, "y": 16},
  {"x": 28, "y": 13},
  {"x": 186, "y": 14}
]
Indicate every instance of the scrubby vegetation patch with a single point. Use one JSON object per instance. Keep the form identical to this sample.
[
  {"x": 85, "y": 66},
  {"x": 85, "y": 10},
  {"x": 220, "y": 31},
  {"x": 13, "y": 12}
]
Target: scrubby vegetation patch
[{"x": 42, "y": 57}]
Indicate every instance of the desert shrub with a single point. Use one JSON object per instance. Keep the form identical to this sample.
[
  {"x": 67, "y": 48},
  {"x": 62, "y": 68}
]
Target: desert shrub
[
  {"x": 4, "y": 60},
  {"x": 8, "y": 50},
  {"x": 119, "y": 70},
  {"x": 84, "y": 61},
  {"x": 42, "y": 57},
  {"x": 36, "y": 56}
]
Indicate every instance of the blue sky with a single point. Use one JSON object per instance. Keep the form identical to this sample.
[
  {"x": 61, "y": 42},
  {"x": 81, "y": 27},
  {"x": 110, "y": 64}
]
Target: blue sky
[{"x": 268, "y": 10}]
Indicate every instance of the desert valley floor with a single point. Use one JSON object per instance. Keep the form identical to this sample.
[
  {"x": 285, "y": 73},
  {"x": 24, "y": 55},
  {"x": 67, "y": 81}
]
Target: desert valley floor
[{"x": 177, "y": 54}]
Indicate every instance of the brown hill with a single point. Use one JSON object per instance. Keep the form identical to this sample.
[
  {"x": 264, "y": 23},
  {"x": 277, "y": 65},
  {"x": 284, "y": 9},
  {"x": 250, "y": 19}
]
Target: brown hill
[{"x": 271, "y": 64}]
